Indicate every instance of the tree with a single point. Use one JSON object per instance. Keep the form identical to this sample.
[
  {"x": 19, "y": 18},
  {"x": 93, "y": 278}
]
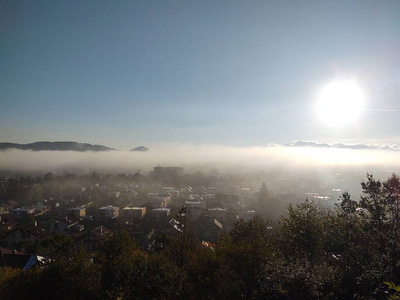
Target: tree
[
  {"x": 301, "y": 232},
  {"x": 182, "y": 243},
  {"x": 243, "y": 254},
  {"x": 392, "y": 193},
  {"x": 374, "y": 202},
  {"x": 201, "y": 274},
  {"x": 266, "y": 205},
  {"x": 381, "y": 202},
  {"x": 117, "y": 255},
  {"x": 129, "y": 273}
]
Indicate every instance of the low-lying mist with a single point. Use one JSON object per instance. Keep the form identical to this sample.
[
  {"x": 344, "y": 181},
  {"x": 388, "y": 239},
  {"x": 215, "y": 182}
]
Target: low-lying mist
[{"x": 203, "y": 158}]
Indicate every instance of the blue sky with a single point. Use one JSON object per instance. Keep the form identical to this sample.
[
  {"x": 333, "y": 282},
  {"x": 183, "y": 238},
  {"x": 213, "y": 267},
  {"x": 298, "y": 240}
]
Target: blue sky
[{"x": 237, "y": 73}]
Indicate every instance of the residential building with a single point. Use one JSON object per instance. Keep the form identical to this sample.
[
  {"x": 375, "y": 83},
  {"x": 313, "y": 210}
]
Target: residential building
[
  {"x": 7, "y": 221},
  {"x": 194, "y": 208},
  {"x": 158, "y": 200},
  {"x": 135, "y": 212},
  {"x": 15, "y": 259},
  {"x": 218, "y": 213},
  {"x": 247, "y": 215},
  {"x": 18, "y": 213},
  {"x": 32, "y": 232},
  {"x": 107, "y": 212},
  {"x": 160, "y": 214},
  {"x": 62, "y": 224},
  {"x": 93, "y": 238},
  {"x": 41, "y": 208},
  {"x": 209, "y": 229},
  {"x": 78, "y": 212}
]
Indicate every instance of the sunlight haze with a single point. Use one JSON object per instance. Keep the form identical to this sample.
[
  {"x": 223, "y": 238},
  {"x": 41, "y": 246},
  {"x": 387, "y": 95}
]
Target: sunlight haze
[{"x": 233, "y": 73}]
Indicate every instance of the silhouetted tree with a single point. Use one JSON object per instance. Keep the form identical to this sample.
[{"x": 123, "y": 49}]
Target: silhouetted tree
[{"x": 301, "y": 232}]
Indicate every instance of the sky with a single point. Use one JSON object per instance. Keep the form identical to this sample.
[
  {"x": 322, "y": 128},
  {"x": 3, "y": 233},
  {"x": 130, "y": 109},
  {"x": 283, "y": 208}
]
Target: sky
[{"x": 231, "y": 73}]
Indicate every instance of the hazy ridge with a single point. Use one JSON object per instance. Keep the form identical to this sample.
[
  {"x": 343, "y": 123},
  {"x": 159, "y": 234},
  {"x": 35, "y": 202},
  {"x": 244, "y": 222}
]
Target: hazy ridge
[{"x": 55, "y": 146}]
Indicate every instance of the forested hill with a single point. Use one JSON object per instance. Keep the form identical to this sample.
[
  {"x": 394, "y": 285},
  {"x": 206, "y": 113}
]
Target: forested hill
[{"x": 55, "y": 146}]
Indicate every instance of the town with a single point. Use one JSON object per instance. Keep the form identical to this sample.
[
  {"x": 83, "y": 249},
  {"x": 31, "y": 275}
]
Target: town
[
  {"x": 171, "y": 234},
  {"x": 89, "y": 207}
]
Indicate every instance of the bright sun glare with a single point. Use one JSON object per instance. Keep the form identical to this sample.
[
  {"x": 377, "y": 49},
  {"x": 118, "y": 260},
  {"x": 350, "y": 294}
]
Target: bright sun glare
[{"x": 340, "y": 103}]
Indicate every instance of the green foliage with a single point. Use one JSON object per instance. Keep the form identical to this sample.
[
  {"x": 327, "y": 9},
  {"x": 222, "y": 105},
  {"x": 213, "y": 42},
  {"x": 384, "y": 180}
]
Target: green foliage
[
  {"x": 242, "y": 254},
  {"x": 283, "y": 280},
  {"x": 396, "y": 288},
  {"x": 201, "y": 273},
  {"x": 58, "y": 246},
  {"x": 116, "y": 245},
  {"x": 374, "y": 202},
  {"x": 266, "y": 205},
  {"x": 74, "y": 277},
  {"x": 301, "y": 231},
  {"x": 129, "y": 273},
  {"x": 182, "y": 243},
  {"x": 7, "y": 276}
]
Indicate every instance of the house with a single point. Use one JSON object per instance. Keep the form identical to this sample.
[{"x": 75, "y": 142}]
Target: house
[
  {"x": 135, "y": 212},
  {"x": 195, "y": 207},
  {"x": 78, "y": 212},
  {"x": 200, "y": 190},
  {"x": 18, "y": 213},
  {"x": 7, "y": 221},
  {"x": 218, "y": 213},
  {"x": 19, "y": 260},
  {"x": 12, "y": 203},
  {"x": 62, "y": 224},
  {"x": 209, "y": 229},
  {"x": 113, "y": 194},
  {"x": 171, "y": 191},
  {"x": 229, "y": 201},
  {"x": 158, "y": 200},
  {"x": 78, "y": 228},
  {"x": 41, "y": 208},
  {"x": 209, "y": 196},
  {"x": 30, "y": 232},
  {"x": 107, "y": 213},
  {"x": 129, "y": 223},
  {"x": 185, "y": 192},
  {"x": 247, "y": 215},
  {"x": 160, "y": 214},
  {"x": 94, "y": 237}
]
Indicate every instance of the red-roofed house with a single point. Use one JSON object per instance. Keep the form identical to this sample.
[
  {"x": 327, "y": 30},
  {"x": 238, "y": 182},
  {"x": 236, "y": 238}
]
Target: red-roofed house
[
  {"x": 32, "y": 232},
  {"x": 62, "y": 224},
  {"x": 93, "y": 238},
  {"x": 7, "y": 221}
]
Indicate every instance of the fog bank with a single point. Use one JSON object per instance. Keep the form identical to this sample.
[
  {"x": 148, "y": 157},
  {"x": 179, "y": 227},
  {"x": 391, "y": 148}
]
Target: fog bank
[{"x": 203, "y": 158}]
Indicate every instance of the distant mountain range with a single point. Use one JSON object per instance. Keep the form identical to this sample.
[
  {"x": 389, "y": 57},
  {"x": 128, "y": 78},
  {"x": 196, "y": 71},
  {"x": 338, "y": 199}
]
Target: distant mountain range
[
  {"x": 140, "y": 149},
  {"x": 63, "y": 146},
  {"x": 55, "y": 146}
]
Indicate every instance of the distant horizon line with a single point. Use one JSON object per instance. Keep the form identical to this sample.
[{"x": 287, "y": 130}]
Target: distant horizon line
[{"x": 296, "y": 143}]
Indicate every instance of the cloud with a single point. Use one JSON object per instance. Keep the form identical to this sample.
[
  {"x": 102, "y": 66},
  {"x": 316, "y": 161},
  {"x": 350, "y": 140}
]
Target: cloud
[{"x": 313, "y": 144}]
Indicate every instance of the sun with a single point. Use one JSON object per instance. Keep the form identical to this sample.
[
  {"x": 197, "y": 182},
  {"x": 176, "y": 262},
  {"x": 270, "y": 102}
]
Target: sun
[{"x": 340, "y": 103}]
